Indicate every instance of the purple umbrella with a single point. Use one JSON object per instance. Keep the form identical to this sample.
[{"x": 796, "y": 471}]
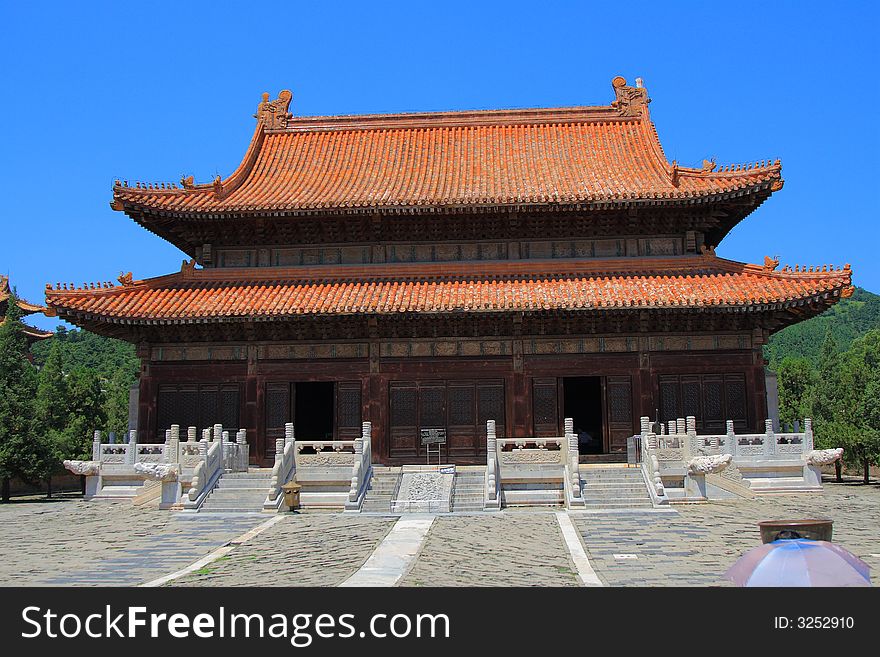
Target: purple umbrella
[{"x": 799, "y": 562}]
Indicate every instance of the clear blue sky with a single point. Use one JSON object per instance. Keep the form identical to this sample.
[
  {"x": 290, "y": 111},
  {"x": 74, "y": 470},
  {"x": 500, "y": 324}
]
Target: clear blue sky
[{"x": 150, "y": 91}]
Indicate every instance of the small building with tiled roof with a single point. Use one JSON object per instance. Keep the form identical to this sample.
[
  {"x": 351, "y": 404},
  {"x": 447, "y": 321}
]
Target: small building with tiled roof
[
  {"x": 31, "y": 333},
  {"x": 435, "y": 270}
]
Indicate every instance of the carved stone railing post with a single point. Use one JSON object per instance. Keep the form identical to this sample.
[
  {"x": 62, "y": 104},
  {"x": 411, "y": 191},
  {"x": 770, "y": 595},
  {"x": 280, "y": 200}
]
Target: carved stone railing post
[
  {"x": 730, "y": 441},
  {"x": 657, "y": 480},
  {"x": 242, "y": 450},
  {"x": 191, "y": 433},
  {"x": 367, "y": 435},
  {"x": 131, "y": 448},
  {"x": 769, "y": 439},
  {"x": 284, "y": 468},
  {"x": 571, "y": 441},
  {"x": 693, "y": 443},
  {"x": 227, "y": 452},
  {"x": 172, "y": 445},
  {"x": 671, "y": 429},
  {"x": 96, "y": 446},
  {"x": 808, "y": 435},
  {"x": 645, "y": 425},
  {"x": 491, "y": 462},
  {"x": 361, "y": 468},
  {"x": 680, "y": 426}
]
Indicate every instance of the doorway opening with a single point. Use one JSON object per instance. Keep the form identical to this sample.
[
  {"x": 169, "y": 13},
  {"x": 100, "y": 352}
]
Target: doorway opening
[
  {"x": 313, "y": 413},
  {"x": 582, "y": 401}
]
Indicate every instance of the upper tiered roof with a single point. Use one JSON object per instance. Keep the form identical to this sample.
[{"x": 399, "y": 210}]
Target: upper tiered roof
[{"x": 577, "y": 157}]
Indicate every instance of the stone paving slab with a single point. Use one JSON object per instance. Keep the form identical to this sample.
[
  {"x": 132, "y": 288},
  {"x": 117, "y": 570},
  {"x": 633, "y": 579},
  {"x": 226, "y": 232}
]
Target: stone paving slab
[
  {"x": 306, "y": 549},
  {"x": 494, "y": 549},
  {"x": 696, "y": 545},
  {"x": 72, "y": 542}
]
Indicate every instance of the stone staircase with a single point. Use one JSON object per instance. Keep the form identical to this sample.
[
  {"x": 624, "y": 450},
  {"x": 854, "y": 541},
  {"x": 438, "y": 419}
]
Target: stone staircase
[
  {"x": 381, "y": 491},
  {"x": 468, "y": 492},
  {"x": 614, "y": 488},
  {"x": 239, "y": 492}
]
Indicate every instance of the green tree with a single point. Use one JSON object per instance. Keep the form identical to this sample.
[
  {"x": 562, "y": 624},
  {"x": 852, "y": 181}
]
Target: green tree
[
  {"x": 51, "y": 401},
  {"x": 846, "y": 404},
  {"x": 116, "y": 405},
  {"x": 24, "y": 452},
  {"x": 796, "y": 378},
  {"x": 86, "y": 412}
]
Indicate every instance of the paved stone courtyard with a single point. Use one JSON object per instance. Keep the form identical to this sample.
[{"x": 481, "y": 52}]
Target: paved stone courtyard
[{"x": 75, "y": 543}]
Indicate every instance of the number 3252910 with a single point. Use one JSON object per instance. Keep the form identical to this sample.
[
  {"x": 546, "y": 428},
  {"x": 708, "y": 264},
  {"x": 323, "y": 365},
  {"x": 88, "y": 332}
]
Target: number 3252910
[{"x": 814, "y": 622}]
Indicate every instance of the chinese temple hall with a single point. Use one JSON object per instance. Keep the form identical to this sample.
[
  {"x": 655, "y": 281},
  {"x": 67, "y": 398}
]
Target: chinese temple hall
[{"x": 438, "y": 270}]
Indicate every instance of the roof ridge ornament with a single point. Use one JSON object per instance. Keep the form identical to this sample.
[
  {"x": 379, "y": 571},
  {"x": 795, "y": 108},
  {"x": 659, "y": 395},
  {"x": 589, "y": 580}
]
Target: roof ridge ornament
[
  {"x": 629, "y": 101},
  {"x": 771, "y": 264},
  {"x": 274, "y": 114}
]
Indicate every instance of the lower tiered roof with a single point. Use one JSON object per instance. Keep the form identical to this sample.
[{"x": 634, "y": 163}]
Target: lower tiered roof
[{"x": 217, "y": 295}]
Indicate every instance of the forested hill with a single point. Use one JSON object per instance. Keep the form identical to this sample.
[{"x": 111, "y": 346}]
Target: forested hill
[
  {"x": 847, "y": 320},
  {"x": 84, "y": 350}
]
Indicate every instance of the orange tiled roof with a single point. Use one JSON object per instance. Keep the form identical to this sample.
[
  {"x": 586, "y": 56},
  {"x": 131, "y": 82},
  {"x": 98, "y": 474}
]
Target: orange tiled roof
[
  {"x": 573, "y": 156},
  {"x": 31, "y": 332},
  {"x": 228, "y": 294},
  {"x": 26, "y": 307}
]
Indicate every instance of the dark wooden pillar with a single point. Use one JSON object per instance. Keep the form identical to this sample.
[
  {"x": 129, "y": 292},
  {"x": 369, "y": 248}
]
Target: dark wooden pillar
[
  {"x": 147, "y": 394},
  {"x": 252, "y": 407},
  {"x": 643, "y": 392},
  {"x": 757, "y": 385},
  {"x": 520, "y": 422}
]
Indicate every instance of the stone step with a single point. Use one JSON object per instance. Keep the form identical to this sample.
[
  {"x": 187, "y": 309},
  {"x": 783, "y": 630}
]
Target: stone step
[
  {"x": 626, "y": 486},
  {"x": 380, "y": 493},
  {"x": 618, "y": 507},
  {"x": 247, "y": 475},
  {"x": 630, "y": 496},
  {"x": 591, "y": 477},
  {"x": 611, "y": 496},
  {"x": 228, "y": 495}
]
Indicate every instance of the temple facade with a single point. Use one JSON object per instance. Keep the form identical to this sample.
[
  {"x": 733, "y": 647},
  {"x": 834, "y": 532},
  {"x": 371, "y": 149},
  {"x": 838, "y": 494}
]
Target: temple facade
[{"x": 438, "y": 270}]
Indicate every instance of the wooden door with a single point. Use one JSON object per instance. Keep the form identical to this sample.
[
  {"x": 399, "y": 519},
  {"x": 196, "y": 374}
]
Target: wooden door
[
  {"x": 348, "y": 410},
  {"x": 545, "y": 407},
  {"x": 279, "y": 402},
  {"x": 618, "y": 412}
]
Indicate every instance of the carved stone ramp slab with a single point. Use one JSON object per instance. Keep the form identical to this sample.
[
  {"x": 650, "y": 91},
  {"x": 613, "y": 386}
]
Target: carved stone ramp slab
[
  {"x": 395, "y": 555},
  {"x": 425, "y": 489}
]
